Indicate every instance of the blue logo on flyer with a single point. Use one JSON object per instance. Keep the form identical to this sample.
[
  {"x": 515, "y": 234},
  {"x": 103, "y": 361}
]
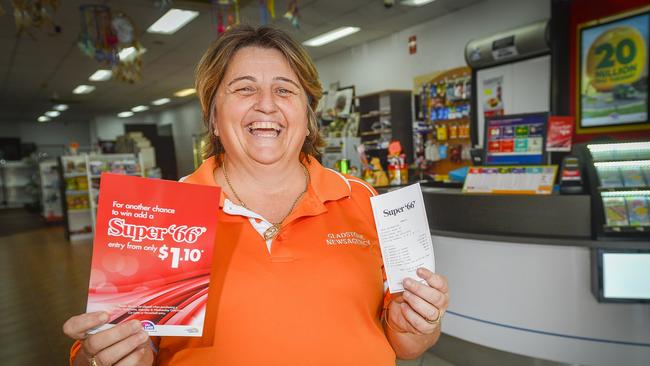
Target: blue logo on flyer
[{"x": 148, "y": 325}]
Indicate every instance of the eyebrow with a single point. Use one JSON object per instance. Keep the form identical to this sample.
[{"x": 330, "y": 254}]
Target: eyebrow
[{"x": 250, "y": 78}]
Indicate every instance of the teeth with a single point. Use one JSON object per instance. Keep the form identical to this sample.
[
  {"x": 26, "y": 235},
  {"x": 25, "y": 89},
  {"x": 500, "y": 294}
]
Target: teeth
[{"x": 264, "y": 125}]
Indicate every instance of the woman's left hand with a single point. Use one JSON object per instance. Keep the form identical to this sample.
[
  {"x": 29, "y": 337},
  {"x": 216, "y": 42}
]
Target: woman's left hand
[{"x": 420, "y": 307}]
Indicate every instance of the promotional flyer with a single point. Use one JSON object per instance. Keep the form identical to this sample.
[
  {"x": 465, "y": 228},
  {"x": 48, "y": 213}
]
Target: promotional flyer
[
  {"x": 614, "y": 72},
  {"x": 152, "y": 253}
]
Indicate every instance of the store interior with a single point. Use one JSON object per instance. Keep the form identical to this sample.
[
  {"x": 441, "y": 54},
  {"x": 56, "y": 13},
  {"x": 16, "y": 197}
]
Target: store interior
[{"x": 525, "y": 122}]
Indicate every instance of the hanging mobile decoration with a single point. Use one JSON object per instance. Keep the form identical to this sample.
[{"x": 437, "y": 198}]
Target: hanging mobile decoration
[
  {"x": 267, "y": 9},
  {"x": 129, "y": 67},
  {"x": 292, "y": 14},
  {"x": 28, "y": 14},
  {"x": 104, "y": 36},
  {"x": 231, "y": 9},
  {"x": 163, "y": 4}
]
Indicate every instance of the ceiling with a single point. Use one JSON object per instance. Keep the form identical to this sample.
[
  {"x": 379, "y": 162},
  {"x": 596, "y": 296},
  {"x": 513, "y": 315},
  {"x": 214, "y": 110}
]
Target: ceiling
[{"x": 40, "y": 69}]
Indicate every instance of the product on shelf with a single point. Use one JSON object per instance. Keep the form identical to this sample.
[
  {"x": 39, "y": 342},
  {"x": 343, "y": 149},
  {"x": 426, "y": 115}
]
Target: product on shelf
[
  {"x": 632, "y": 176},
  {"x": 610, "y": 178},
  {"x": 638, "y": 210},
  {"x": 615, "y": 211}
]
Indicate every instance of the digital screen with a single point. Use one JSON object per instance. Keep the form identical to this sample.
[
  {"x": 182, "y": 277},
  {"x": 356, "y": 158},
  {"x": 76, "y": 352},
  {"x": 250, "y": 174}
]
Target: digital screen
[
  {"x": 516, "y": 139},
  {"x": 626, "y": 275}
]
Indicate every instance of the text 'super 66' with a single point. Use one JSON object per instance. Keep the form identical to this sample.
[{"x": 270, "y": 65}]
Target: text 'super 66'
[{"x": 137, "y": 233}]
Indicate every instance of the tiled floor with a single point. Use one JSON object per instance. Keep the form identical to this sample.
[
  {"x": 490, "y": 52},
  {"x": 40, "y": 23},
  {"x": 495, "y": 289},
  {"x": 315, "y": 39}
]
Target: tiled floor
[{"x": 44, "y": 280}]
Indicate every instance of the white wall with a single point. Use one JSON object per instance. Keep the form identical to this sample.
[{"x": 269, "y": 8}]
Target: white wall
[
  {"x": 110, "y": 127},
  {"x": 374, "y": 66},
  {"x": 49, "y": 134},
  {"x": 386, "y": 64},
  {"x": 186, "y": 121}
]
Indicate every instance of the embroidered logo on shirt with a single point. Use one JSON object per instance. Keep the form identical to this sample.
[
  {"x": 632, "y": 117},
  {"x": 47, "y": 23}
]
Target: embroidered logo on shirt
[{"x": 347, "y": 238}]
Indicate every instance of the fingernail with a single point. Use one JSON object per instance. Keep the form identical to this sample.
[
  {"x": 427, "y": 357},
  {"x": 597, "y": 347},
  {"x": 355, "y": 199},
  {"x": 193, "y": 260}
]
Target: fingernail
[
  {"x": 136, "y": 325},
  {"x": 103, "y": 317},
  {"x": 408, "y": 282},
  {"x": 406, "y": 294}
]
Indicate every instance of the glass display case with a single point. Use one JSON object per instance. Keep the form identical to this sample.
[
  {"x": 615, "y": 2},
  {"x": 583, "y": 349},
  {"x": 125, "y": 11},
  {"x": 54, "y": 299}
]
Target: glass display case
[{"x": 619, "y": 176}]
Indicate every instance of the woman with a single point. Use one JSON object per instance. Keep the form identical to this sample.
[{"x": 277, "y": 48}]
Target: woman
[{"x": 297, "y": 276}]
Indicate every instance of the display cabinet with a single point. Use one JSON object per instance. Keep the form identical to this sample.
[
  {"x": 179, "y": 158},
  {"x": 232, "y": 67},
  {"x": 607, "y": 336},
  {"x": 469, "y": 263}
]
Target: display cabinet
[{"x": 619, "y": 180}]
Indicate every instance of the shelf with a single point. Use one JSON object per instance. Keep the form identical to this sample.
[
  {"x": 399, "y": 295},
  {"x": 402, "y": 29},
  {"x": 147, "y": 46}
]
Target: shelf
[
  {"x": 81, "y": 236},
  {"x": 626, "y": 229},
  {"x": 462, "y": 119},
  {"x": 370, "y": 133},
  {"x": 73, "y": 175},
  {"x": 97, "y": 176},
  {"x": 79, "y": 210},
  {"x": 643, "y": 190},
  {"x": 76, "y": 193}
]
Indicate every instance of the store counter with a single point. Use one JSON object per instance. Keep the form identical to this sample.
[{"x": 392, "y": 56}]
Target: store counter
[{"x": 519, "y": 272}]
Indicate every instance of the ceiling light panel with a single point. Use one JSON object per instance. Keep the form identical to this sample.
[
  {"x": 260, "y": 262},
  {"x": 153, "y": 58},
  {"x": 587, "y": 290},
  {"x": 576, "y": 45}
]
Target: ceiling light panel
[
  {"x": 140, "y": 108},
  {"x": 125, "y": 114},
  {"x": 331, "y": 36},
  {"x": 101, "y": 75},
  {"x": 172, "y": 21},
  {"x": 83, "y": 89},
  {"x": 161, "y": 101},
  {"x": 185, "y": 92}
]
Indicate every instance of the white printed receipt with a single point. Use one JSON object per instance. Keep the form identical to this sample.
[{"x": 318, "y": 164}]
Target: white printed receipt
[{"x": 404, "y": 235}]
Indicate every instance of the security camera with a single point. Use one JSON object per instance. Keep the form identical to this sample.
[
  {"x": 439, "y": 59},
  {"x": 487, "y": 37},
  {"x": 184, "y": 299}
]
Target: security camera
[{"x": 389, "y": 3}]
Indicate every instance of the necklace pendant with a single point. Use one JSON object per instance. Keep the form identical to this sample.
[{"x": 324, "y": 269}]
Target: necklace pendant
[{"x": 271, "y": 232}]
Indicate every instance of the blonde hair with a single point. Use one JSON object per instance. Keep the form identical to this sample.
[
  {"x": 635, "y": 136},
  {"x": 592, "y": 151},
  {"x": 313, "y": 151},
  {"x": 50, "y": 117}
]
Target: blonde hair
[{"x": 212, "y": 68}]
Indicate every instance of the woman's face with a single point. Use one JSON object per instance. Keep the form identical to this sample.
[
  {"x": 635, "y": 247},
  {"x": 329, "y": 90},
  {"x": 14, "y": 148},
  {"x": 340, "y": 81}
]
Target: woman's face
[{"x": 261, "y": 109}]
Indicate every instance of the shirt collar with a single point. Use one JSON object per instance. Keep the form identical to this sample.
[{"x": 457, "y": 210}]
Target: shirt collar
[{"x": 325, "y": 184}]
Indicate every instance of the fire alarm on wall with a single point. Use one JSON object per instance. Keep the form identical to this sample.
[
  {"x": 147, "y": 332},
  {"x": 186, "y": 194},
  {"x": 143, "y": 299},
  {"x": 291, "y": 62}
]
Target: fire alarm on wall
[{"x": 413, "y": 45}]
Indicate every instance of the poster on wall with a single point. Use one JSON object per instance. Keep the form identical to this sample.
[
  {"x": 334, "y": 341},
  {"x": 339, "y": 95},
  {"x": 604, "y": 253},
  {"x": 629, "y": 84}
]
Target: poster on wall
[
  {"x": 493, "y": 97},
  {"x": 613, "y": 73}
]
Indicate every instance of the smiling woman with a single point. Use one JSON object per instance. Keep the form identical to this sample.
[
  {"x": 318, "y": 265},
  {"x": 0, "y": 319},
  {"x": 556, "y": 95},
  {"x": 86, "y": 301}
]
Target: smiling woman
[{"x": 297, "y": 272}]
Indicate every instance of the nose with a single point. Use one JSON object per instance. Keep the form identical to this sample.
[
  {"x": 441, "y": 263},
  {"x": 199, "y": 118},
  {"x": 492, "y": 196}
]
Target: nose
[{"x": 265, "y": 102}]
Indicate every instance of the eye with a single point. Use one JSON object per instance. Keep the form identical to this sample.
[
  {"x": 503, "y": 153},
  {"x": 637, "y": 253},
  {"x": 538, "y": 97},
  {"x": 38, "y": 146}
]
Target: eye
[
  {"x": 284, "y": 91},
  {"x": 245, "y": 90}
]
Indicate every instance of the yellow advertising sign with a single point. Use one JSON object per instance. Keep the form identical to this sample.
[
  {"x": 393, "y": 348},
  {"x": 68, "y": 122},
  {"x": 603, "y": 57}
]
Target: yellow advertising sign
[{"x": 617, "y": 57}]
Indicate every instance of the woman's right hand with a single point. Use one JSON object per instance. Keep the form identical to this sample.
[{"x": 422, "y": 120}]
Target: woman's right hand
[{"x": 123, "y": 345}]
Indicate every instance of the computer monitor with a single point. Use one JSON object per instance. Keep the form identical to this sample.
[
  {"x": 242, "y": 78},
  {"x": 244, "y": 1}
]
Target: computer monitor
[
  {"x": 518, "y": 139},
  {"x": 621, "y": 275}
]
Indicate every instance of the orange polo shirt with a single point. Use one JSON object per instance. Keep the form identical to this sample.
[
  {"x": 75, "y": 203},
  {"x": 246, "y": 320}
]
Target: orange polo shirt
[{"x": 313, "y": 298}]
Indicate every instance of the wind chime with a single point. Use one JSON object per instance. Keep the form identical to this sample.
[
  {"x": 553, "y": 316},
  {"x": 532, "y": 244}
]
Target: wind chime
[
  {"x": 267, "y": 9},
  {"x": 110, "y": 39},
  {"x": 226, "y": 13},
  {"x": 28, "y": 14},
  {"x": 292, "y": 14}
]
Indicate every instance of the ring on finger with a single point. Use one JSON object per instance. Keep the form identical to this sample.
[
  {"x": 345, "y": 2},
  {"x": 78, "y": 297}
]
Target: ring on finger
[
  {"x": 93, "y": 362},
  {"x": 434, "y": 321}
]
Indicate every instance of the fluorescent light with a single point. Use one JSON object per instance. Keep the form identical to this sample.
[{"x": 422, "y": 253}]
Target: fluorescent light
[
  {"x": 161, "y": 101},
  {"x": 185, "y": 92},
  {"x": 331, "y": 36},
  {"x": 622, "y": 163},
  {"x": 83, "y": 89},
  {"x": 172, "y": 21},
  {"x": 140, "y": 108},
  {"x": 619, "y": 146},
  {"x": 126, "y": 52},
  {"x": 416, "y": 2},
  {"x": 125, "y": 114},
  {"x": 43, "y": 119},
  {"x": 60, "y": 107},
  {"x": 53, "y": 114},
  {"x": 632, "y": 192},
  {"x": 101, "y": 75}
]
